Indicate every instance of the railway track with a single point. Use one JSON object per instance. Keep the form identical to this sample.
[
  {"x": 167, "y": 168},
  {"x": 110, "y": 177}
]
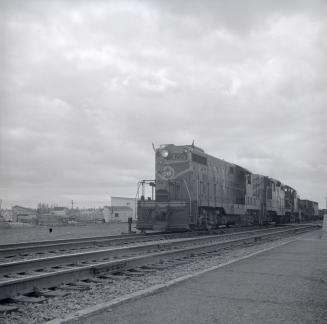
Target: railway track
[
  {"x": 24, "y": 250},
  {"x": 10, "y": 250},
  {"x": 26, "y": 276}
]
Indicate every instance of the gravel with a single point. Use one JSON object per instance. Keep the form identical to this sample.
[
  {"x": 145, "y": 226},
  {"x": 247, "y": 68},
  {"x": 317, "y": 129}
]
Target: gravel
[
  {"x": 12, "y": 233},
  {"x": 106, "y": 289}
]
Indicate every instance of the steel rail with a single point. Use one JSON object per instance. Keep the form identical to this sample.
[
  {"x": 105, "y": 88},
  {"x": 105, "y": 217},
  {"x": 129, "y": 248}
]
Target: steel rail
[
  {"x": 39, "y": 246},
  {"x": 26, "y": 265},
  {"x": 25, "y": 246},
  {"x": 11, "y": 250},
  {"x": 66, "y": 274}
]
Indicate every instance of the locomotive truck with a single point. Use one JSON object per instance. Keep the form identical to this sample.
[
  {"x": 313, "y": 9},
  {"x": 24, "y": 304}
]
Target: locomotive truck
[{"x": 195, "y": 190}]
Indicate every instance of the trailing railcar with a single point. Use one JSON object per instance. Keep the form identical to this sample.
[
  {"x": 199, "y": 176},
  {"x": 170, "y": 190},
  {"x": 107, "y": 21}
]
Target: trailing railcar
[
  {"x": 196, "y": 190},
  {"x": 307, "y": 210}
]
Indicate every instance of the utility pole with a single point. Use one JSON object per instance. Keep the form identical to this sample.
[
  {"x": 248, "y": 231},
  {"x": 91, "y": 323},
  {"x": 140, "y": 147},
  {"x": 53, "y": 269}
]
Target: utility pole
[{"x": 324, "y": 223}]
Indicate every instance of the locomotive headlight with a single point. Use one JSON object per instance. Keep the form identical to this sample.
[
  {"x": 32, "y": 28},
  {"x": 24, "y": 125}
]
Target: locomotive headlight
[{"x": 164, "y": 153}]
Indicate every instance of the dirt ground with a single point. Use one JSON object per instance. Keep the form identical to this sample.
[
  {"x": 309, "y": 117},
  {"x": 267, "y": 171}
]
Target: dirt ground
[{"x": 14, "y": 233}]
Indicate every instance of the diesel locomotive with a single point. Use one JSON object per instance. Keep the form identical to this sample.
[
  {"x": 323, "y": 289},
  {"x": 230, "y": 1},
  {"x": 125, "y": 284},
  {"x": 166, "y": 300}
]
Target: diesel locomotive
[{"x": 195, "y": 190}]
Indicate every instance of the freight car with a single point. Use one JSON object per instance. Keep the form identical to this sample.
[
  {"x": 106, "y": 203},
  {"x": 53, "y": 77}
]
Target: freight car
[{"x": 196, "y": 190}]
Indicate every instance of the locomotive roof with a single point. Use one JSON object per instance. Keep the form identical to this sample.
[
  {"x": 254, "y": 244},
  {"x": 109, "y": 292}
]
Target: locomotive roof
[
  {"x": 198, "y": 149},
  {"x": 195, "y": 147},
  {"x": 183, "y": 146}
]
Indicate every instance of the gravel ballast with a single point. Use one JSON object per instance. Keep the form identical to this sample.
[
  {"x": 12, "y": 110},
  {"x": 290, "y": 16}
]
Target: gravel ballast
[{"x": 15, "y": 233}]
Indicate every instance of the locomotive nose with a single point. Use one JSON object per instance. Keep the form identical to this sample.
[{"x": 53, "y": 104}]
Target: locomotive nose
[
  {"x": 160, "y": 218},
  {"x": 160, "y": 215}
]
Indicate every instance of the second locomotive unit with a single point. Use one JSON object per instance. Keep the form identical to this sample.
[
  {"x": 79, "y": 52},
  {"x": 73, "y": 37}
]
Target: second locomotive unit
[{"x": 196, "y": 190}]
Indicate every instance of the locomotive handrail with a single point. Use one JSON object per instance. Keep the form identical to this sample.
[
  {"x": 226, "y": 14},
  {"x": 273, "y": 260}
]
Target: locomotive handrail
[{"x": 189, "y": 195}]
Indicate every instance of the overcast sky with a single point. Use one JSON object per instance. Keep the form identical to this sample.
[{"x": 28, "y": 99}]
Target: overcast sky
[{"x": 87, "y": 86}]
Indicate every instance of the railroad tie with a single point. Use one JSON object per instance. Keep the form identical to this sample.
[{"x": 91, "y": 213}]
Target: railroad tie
[
  {"x": 53, "y": 293},
  {"x": 8, "y": 309},
  {"x": 74, "y": 287},
  {"x": 111, "y": 276},
  {"x": 27, "y": 299}
]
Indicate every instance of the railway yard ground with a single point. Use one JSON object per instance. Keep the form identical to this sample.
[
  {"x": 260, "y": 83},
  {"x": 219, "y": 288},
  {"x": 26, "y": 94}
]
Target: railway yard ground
[
  {"x": 233, "y": 277},
  {"x": 284, "y": 284},
  {"x": 19, "y": 232}
]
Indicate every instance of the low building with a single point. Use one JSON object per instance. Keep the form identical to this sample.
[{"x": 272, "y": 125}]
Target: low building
[
  {"x": 51, "y": 219},
  {"x": 127, "y": 202},
  {"x": 59, "y": 211},
  {"x": 117, "y": 213},
  {"x": 51, "y": 216},
  {"x": 7, "y": 215},
  {"x": 23, "y": 214},
  {"x": 86, "y": 215}
]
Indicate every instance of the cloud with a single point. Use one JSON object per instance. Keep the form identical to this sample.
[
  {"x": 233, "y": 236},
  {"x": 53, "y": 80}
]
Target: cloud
[{"x": 86, "y": 87}]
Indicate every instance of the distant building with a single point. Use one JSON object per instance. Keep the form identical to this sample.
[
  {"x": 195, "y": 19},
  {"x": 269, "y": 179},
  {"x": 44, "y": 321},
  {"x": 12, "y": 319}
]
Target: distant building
[
  {"x": 59, "y": 211},
  {"x": 86, "y": 215},
  {"x": 51, "y": 219},
  {"x": 125, "y": 201},
  {"x": 7, "y": 215},
  {"x": 23, "y": 214},
  {"x": 51, "y": 216},
  {"x": 117, "y": 213}
]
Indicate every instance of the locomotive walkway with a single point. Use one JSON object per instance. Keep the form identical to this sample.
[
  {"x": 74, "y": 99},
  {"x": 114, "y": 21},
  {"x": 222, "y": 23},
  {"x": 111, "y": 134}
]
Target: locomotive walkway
[{"x": 287, "y": 284}]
